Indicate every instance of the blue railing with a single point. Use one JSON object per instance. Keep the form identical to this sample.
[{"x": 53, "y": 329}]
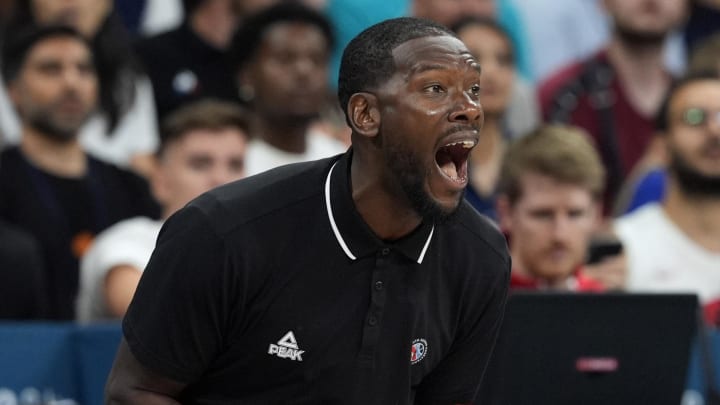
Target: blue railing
[{"x": 66, "y": 364}]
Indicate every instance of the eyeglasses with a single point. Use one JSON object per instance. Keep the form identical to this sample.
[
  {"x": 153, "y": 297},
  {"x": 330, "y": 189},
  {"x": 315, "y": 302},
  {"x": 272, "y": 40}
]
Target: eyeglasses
[{"x": 696, "y": 117}]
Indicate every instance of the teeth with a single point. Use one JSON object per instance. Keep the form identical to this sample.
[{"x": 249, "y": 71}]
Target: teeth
[{"x": 464, "y": 144}]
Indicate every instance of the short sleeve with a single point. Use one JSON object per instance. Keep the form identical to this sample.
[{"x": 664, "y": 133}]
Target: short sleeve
[
  {"x": 177, "y": 320},
  {"x": 458, "y": 376},
  {"x": 128, "y": 243}
]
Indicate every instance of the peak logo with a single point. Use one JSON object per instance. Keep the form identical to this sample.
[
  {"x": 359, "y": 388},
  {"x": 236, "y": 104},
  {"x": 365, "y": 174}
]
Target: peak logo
[{"x": 286, "y": 348}]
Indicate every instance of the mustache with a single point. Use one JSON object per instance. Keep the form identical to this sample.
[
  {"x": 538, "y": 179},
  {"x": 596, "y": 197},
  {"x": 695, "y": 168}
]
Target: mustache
[
  {"x": 555, "y": 246},
  {"x": 69, "y": 96},
  {"x": 460, "y": 128},
  {"x": 712, "y": 143}
]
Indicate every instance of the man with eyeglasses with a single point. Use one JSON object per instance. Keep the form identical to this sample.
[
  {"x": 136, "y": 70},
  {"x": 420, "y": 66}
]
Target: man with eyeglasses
[{"x": 674, "y": 245}]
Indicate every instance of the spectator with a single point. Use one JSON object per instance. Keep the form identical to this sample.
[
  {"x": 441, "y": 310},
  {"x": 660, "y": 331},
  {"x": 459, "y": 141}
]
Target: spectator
[
  {"x": 203, "y": 146},
  {"x": 23, "y": 291},
  {"x": 492, "y": 48},
  {"x": 674, "y": 245},
  {"x": 49, "y": 185},
  {"x": 648, "y": 181},
  {"x": 190, "y": 62},
  {"x": 124, "y": 131},
  {"x": 561, "y": 32},
  {"x": 615, "y": 94},
  {"x": 549, "y": 205},
  {"x": 282, "y": 56}
]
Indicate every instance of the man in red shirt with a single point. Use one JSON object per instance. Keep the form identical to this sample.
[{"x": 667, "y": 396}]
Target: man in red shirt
[
  {"x": 616, "y": 93},
  {"x": 549, "y": 206}
]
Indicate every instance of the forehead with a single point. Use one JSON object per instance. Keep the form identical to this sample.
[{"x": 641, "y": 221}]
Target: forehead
[
  {"x": 702, "y": 93},
  {"x": 58, "y": 48},
  {"x": 293, "y": 33},
  {"x": 201, "y": 138},
  {"x": 480, "y": 34},
  {"x": 442, "y": 51},
  {"x": 543, "y": 189}
]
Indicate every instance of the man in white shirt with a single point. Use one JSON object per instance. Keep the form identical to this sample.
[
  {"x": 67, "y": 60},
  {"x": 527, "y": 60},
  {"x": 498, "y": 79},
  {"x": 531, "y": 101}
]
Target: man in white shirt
[
  {"x": 674, "y": 246},
  {"x": 281, "y": 58},
  {"x": 203, "y": 146}
]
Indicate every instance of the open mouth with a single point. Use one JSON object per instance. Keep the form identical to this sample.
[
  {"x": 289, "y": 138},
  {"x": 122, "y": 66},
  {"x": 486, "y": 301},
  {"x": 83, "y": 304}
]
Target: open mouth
[{"x": 452, "y": 160}]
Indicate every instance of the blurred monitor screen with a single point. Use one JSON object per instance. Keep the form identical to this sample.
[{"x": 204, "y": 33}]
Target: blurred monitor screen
[{"x": 587, "y": 349}]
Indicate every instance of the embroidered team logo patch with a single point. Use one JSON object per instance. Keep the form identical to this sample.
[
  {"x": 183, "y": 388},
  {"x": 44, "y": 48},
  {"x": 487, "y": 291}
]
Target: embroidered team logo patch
[
  {"x": 286, "y": 348},
  {"x": 418, "y": 351}
]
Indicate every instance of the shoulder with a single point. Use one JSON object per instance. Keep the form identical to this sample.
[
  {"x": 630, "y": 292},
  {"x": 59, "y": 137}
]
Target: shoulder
[
  {"x": 548, "y": 89},
  {"x": 10, "y": 157},
  {"x": 134, "y": 230},
  {"x": 323, "y": 145},
  {"x": 263, "y": 196},
  {"x": 643, "y": 220},
  {"x": 111, "y": 171},
  {"x": 158, "y": 42}
]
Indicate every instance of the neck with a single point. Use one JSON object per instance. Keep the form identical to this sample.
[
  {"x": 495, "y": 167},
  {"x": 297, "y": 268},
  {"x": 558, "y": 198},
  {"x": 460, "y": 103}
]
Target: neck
[
  {"x": 65, "y": 159},
  {"x": 288, "y": 137},
  {"x": 641, "y": 72},
  {"x": 543, "y": 283},
  {"x": 490, "y": 140},
  {"x": 486, "y": 158},
  {"x": 383, "y": 207},
  {"x": 214, "y": 22},
  {"x": 697, "y": 217}
]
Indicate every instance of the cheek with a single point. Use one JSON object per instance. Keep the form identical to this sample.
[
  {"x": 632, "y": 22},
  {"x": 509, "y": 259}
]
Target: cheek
[
  {"x": 189, "y": 183},
  {"x": 506, "y": 77},
  {"x": 529, "y": 233}
]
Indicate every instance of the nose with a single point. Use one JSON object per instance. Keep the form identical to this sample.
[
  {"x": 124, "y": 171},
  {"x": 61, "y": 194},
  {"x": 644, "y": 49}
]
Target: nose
[
  {"x": 714, "y": 123},
  {"x": 560, "y": 228},
  {"x": 303, "y": 66},
  {"x": 219, "y": 177},
  {"x": 468, "y": 110},
  {"x": 223, "y": 174},
  {"x": 72, "y": 77}
]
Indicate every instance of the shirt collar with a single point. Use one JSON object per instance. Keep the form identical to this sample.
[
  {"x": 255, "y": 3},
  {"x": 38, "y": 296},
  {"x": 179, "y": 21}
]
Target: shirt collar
[{"x": 352, "y": 233}]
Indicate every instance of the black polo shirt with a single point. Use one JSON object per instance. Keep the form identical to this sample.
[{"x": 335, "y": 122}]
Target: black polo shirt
[{"x": 272, "y": 290}]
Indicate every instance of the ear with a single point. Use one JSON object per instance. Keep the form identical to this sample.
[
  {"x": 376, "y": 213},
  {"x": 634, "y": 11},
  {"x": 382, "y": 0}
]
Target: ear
[
  {"x": 504, "y": 213},
  {"x": 364, "y": 114},
  {"x": 13, "y": 92},
  {"x": 605, "y": 6},
  {"x": 158, "y": 182}
]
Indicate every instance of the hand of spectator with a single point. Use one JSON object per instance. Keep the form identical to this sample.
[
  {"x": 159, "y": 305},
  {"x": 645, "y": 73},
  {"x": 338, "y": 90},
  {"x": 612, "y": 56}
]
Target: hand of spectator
[{"x": 611, "y": 272}]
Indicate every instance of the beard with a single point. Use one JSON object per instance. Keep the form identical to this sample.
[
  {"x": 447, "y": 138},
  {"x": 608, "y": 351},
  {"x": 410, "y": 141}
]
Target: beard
[
  {"x": 411, "y": 175},
  {"x": 690, "y": 180},
  {"x": 639, "y": 38},
  {"x": 45, "y": 121}
]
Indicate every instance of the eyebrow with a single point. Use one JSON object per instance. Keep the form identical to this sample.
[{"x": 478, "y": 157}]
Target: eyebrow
[{"x": 425, "y": 67}]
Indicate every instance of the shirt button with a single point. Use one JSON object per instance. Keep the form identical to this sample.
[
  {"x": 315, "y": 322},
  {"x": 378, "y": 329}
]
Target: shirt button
[
  {"x": 379, "y": 285},
  {"x": 372, "y": 321},
  {"x": 385, "y": 251}
]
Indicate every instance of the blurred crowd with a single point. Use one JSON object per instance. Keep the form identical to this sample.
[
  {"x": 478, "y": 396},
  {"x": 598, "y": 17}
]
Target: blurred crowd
[{"x": 599, "y": 156}]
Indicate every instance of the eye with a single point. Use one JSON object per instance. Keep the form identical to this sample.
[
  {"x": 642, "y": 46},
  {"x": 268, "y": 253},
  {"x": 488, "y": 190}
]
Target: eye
[
  {"x": 576, "y": 213},
  {"x": 475, "y": 90},
  {"x": 199, "y": 163},
  {"x": 435, "y": 88}
]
